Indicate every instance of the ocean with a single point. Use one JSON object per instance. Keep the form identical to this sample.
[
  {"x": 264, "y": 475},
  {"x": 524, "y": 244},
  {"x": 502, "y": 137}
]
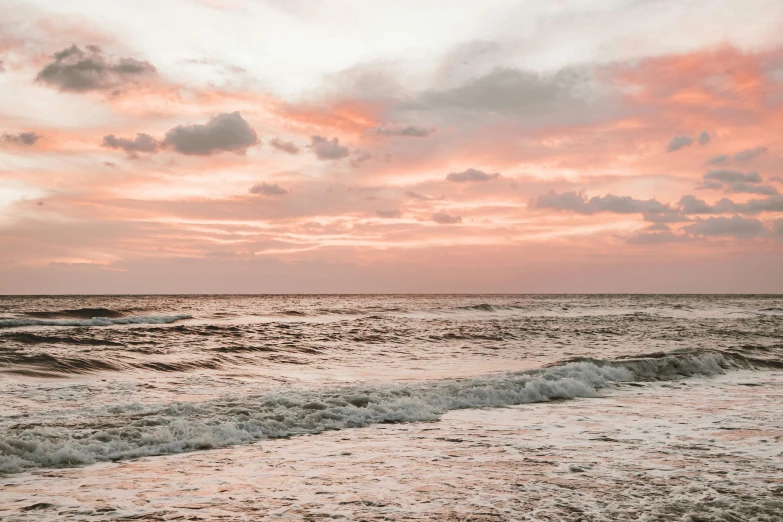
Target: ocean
[{"x": 531, "y": 407}]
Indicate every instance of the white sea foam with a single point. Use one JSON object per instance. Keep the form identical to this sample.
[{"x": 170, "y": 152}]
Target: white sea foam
[
  {"x": 131, "y": 430},
  {"x": 95, "y": 321}
]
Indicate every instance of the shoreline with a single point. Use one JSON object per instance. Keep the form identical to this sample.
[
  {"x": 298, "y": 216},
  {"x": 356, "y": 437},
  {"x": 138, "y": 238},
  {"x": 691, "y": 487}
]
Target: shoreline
[{"x": 665, "y": 450}]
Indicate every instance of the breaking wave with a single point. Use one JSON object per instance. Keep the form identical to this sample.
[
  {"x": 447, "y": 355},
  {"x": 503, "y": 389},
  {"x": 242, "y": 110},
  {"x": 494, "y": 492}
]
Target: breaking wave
[
  {"x": 94, "y": 321},
  {"x": 131, "y": 430}
]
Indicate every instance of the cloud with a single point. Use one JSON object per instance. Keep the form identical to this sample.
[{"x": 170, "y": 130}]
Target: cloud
[
  {"x": 711, "y": 184},
  {"x": 749, "y": 154},
  {"x": 679, "y": 142},
  {"x": 286, "y": 146},
  {"x": 777, "y": 227},
  {"x": 745, "y": 188},
  {"x": 360, "y": 157},
  {"x": 735, "y": 226},
  {"x": 398, "y": 129},
  {"x": 717, "y": 160},
  {"x": 757, "y": 206},
  {"x": 704, "y": 138},
  {"x": 22, "y": 138},
  {"x": 512, "y": 91},
  {"x": 446, "y": 219},
  {"x": 142, "y": 143},
  {"x": 737, "y": 182},
  {"x": 732, "y": 176},
  {"x": 656, "y": 238},
  {"x": 268, "y": 189},
  {"x": 415, "y": 195},
  {"x": 578, "y": 202},
  {"x": 388, "y": 214},
  {"x": 326, "y": 149},
  {"x": 77, "y": 70},
  {"x": 471, "y": 175},
  {"x": 575, "y": 201},
  {"x": 628, "y": 205},
  {"x": 661, "y": 218},
  {"x": 224, "y": 132},
  {"x": 692, "y": 205}
]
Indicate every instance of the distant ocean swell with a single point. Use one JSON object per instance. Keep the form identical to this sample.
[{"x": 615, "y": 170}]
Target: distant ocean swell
[
  {"x": 94, "y": 321},
  {"x": 129, "y": 431}
]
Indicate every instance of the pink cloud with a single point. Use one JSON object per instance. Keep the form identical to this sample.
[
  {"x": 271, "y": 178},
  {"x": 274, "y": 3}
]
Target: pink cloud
[{"x": 598, "y": 180}]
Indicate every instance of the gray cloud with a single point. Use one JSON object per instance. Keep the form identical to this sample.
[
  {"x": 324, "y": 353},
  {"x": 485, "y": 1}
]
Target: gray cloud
[
  {"x": 749, "y": 154},
  {"x": 326, "y": 149},
  {"x": 735, "y": 226},
  {"x": 776, "y": 179},
  {"x": 777, "y": 227},
  {"x": 268, "y": 189},
  {"x": 397, "y": 129},
  {"x": 737, "y": 182},
  {"x": 22, "y": 138},
  {"x": 360, "y": 157},
  {"x": 578, "y": 202},
  {"x": 745, "y": 188},
  {"x": 389, "y": 214},
  {"x": 658, "y": 227},
  {"x": 717, "y": 160},
  {"x": 711, "y": 184},
  {"x": 679, "y": 142},
  {"x": 756, "y": 206},
  {"x": 575, "y": 201},
  {"x": 692, "y": 205},
  {"x": 77, "y": 70},
  {"x": 446, "y": 219},
  {"x": 656, "y": 238},
  {"x": 416, "y": 195},
  {"x": 732, "y": 176},
  {"x": 704, "y": 138},
  {"x": 286, "y": 146},
  {"x": 225, "y": 132},
  {"x": 663, "y": 217},
  {"x": 471, "y": 175},
  {"x": 513, "y": 91},
  {"x": 142, "y": 143}
]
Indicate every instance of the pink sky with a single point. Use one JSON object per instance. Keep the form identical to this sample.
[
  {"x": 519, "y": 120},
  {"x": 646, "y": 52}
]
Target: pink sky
[{"x": 345, "y": 146}]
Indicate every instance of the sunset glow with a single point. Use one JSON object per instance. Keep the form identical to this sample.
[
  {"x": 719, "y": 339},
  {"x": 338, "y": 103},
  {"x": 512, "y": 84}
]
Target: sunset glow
[{"x": 270, "y": 146}]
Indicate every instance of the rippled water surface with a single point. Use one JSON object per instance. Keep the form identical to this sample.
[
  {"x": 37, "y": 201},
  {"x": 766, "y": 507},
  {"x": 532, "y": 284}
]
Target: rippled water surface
[{"x": 95, "y": 378}]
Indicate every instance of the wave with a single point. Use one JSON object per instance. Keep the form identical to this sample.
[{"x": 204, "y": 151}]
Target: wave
[
  {"x": 31, "y": 338},
  {"x": 46, "y": 365},
  {"x": 131, "y": 430},
  {"x": 485, "y": 307},
  {"x": 78, "y": 313},
  {"x": 54, "y": 366},
  {"x": 95, "y": 321}
]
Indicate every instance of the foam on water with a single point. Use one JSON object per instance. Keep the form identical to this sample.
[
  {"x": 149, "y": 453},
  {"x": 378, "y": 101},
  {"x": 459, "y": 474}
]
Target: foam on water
[{"x": 132, "y": 430}]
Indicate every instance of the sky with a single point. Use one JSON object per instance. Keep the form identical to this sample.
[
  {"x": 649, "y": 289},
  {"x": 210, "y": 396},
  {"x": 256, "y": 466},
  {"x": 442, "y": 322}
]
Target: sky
[{"x": 346, "y": 146}]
